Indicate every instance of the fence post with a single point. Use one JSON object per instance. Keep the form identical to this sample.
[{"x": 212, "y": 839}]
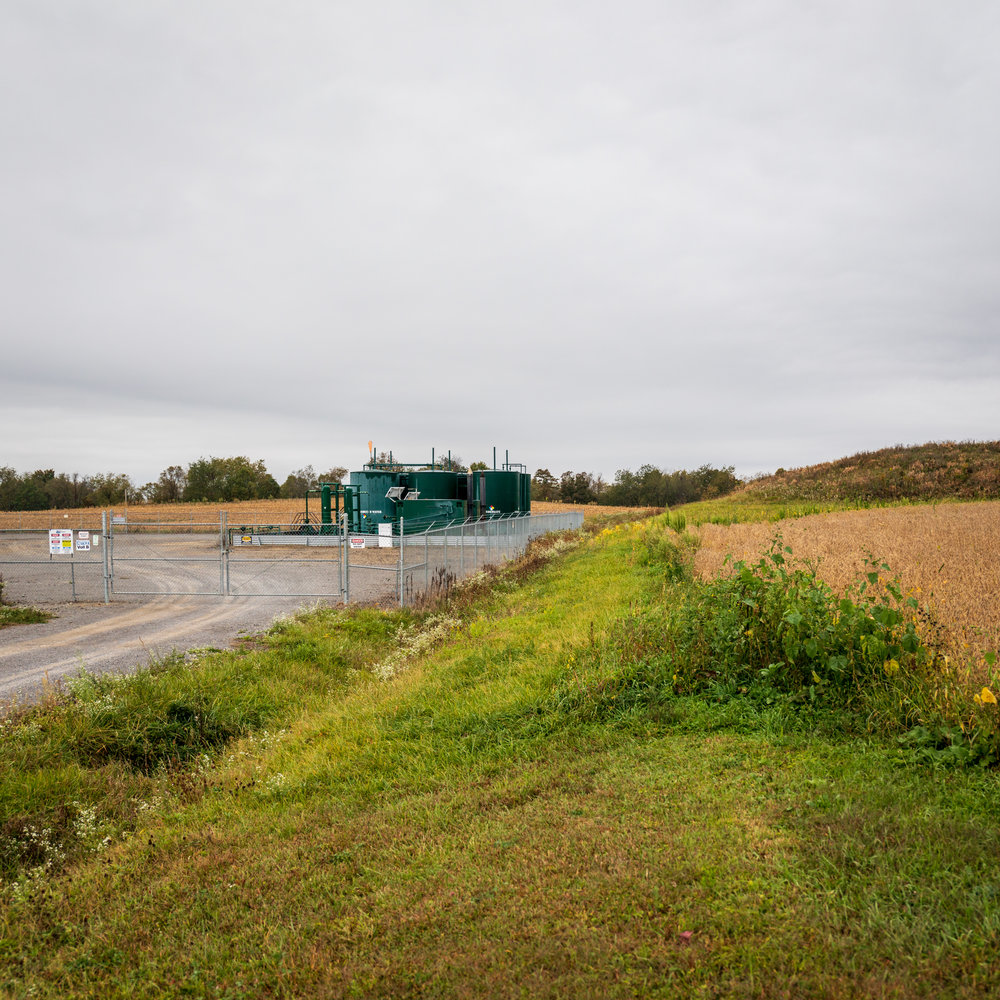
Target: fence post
[
  {"x": 223, "y": 556},
  {"x": 104, "y": 556},
  {"x": 400, "y": 570},
  {"x": 347, "y": 566},
  {"x": 343, "y": 554}
]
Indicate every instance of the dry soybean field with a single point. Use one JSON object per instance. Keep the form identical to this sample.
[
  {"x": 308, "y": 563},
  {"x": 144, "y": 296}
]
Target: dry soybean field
[{"x": 945, "y": 555}]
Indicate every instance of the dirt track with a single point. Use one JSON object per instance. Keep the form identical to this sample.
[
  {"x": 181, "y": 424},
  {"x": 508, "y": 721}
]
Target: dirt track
[{"x": 121, "y": 636}]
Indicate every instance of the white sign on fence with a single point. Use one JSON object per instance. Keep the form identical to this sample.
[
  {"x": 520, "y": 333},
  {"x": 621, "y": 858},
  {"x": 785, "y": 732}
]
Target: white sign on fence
[
  {"x": 60, "y": 541},
  {"x": 357, "y": 541}
]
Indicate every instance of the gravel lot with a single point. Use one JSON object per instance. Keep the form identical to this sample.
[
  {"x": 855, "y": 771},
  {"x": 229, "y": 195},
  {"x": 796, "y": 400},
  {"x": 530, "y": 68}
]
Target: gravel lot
[
  {"x": 166, "y": 598},
  {"x": 122, "y": 636}
]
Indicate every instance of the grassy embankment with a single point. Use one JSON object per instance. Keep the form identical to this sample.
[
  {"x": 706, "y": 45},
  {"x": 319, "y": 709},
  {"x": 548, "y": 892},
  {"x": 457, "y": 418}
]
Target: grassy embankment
[
  {"x": 928, "y": 473},
  {"x": 602, "y": 778}
]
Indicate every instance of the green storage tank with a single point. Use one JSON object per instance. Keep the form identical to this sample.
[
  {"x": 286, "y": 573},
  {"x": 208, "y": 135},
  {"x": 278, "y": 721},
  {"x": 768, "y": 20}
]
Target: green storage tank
[
  {"x": 373, "y": 507},
  {"x": 434, "y": 484},
  {"x": 499, "y": 493}
]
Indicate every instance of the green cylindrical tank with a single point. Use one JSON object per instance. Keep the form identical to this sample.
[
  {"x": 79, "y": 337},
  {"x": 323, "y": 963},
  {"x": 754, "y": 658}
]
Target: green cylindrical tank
[
  {"x": 373, "y": 506},
  {"x": 525, "y": 504},
  {"x": 500, "y": 493},
  {"x": 434, "y": 484}
]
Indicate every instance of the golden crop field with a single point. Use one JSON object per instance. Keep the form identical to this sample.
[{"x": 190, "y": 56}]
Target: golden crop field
[
  {"x": 238, "y": 512},
  {"x": 946, "y": 555}
]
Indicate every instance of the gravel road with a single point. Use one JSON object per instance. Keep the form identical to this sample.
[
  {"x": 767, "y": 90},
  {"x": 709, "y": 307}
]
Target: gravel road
[{"x": 122, "y": 636}]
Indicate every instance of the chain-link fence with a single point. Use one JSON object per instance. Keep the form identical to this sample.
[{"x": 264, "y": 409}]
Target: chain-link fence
[
  {"x": 146, "y": 559},
  {"x": 39, "y": 565},
  {"x": 431, "y": 562}
]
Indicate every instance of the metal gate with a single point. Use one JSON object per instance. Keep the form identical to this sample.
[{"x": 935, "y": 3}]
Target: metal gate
[{"x": 150, "y": 558}]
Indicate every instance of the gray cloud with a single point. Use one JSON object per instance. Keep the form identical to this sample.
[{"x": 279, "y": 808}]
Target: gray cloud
[{"x": 757, "y": 234}]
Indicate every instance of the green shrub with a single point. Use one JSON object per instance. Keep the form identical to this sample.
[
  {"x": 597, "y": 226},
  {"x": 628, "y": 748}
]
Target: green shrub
[{"x": 774, "y": 634}]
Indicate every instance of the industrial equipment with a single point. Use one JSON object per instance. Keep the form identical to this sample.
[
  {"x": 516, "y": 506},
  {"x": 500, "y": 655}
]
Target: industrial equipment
[{"x": 419, "y": 496}]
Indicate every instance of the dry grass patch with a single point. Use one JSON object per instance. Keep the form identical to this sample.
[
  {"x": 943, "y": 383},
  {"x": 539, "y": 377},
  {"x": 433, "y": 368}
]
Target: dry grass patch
[{"x": 945, "y": 556}]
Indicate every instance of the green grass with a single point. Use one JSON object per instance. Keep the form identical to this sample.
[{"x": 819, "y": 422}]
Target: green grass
[
  {"x": 746, "y": 508},
  {"x": 11, "y": 614},
  {"x": 462, "y": 829}
]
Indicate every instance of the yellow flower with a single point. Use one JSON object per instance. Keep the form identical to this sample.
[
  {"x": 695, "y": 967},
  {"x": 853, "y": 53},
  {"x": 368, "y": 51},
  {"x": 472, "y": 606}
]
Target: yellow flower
[{"x": 987, "y": 697}]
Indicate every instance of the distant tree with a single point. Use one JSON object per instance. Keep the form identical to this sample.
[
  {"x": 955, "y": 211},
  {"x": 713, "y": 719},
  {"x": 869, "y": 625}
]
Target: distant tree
[
  {"x": 226, "y": 479},
  {"x": 579, "y": 487},
  {"x": 713, "y": 482},
  {"x": 478, "y": 467},
  {"x": 442, "y": 461},
  {"x": 653, "y": 487},
  {"x": 267, "y": 488},
  {"x": 298, "y": 483},
  {"x": 110, "y": 488},
  {"x": 292, "y": 488},
  {"x": 384, "y": 461},
  {"x": 334, "y": 475},
  {"x": 10, "y": 481},
  {"x": 41, "y": 490},
  {"x": 544, "y": 486},
  {"x": 59, "y": 490},
  {"x": 301, "y": 481},
  {"x": 27, "y": 492},
  {"x": 169, "y": 488}
]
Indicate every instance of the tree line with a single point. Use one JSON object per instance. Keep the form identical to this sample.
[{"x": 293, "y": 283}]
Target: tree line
[
  {"x": 221, "y": 480},
  {"x": 647, "y": 487},
  {"x": 211, "y": 479}
]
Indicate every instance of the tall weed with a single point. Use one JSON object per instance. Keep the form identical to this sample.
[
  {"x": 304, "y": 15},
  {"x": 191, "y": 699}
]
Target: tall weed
[{"x": 773, "y": 633}]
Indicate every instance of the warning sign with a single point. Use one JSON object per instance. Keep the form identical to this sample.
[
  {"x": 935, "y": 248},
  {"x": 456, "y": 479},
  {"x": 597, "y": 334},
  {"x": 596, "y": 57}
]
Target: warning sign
[
  {"x": 60, "y": 541},
  {"x": 357, "y": 541}
]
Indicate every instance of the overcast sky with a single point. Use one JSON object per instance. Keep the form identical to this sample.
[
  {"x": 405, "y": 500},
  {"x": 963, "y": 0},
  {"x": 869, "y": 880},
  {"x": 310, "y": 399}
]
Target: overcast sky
[{"x": 759, "y": 234}]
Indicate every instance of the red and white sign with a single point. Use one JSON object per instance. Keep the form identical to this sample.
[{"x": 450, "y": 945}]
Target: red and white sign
[
  {"x": 60, "y": 541},
  {"x": 357, "y": 541}
]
